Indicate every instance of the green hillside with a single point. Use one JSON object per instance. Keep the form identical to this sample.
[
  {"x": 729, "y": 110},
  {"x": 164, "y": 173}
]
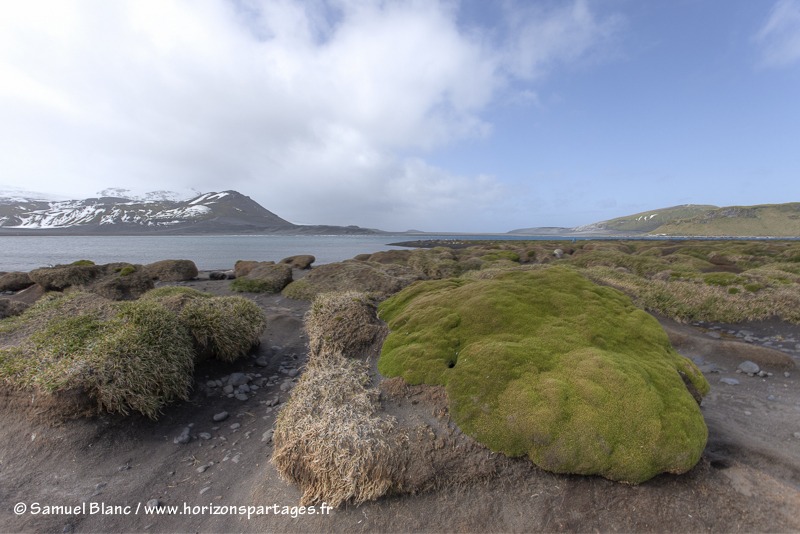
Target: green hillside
[
  {"x": 779, "y": 220},
  {"x": 650, "y": 220}
]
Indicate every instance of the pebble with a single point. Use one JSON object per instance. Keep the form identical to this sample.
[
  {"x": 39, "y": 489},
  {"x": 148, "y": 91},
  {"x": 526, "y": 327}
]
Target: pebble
[
  {"x": 276, "y": 348},
  {"x": 771, "y": 398},
  {"x": 234, "y": 426},
  {"x": 294, "y": 372},
  {"x": 202, "y": 491},
  {"x": 202, "y": 468},
  {"x": 236, "y": 458},
  {"x": 787, "y": 374},
  {"x": 244, "y": 388},
  {"x": 99, "y": 486},
  {"x": 262, "y": 361},
  {"x": 797, "y": 347},
  {"x": 749, "y": 339},
  {"x": 204, "y": 435},
  {"x": 729, "y": 381},
  {"x": 715, "y": 335},
  {"x": 274, "y": 402},
  {"x": 211, "y": 383},
  {"x": 267, "y": 436},
  {"x": 748, "y": 413},
  {"x": 237, "y": 379},
  {"x": 153, "y": 503},
  {"x": 184, "y": 437},
  {"x": 748, "y": 367},
  {"x": 221, "y": 416},
  {"x": 228, "y": 389},
  {"x": 241, "y": 396},
  {"x": 287, "y": 386}
]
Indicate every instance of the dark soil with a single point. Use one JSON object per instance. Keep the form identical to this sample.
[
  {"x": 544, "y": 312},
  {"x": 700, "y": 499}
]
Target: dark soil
[{"x": 748, "y": 480}]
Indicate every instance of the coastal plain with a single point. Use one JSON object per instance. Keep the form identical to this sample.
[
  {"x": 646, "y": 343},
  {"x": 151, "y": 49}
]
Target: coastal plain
[{"x": 748, "y": 478}]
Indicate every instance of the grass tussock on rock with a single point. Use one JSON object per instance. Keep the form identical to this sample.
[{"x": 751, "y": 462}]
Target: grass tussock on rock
[
  {"x": 548, "y": 364},
  {"x": 340, "y": 322},
  {"x": 127, "y": 356}
]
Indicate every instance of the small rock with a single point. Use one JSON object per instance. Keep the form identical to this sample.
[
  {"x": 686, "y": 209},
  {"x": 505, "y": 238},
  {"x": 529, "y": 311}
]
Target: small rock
[
  {"x": 99, "y": 486},
  {"x": 202, "y": 468},
  {"x": 748, "y": 339},
  {"x": 715, "y": 335},
  {"x": 221, "y": 416},
  {"x": 219, "y": 383},
  {"x": 762, "y": 374},
  {"x": 729, "y": 381},
  {"x": 204, "y": 435},
  {"x": 244, "y": 388},
  {"x": 267, "y": 436},
  {"x": 153, "y": 503},
  {"x": 254, "y": 388},
  {"x": 202, "y": 491},
  {"x": 771, "y": 398},
  {"x": 748, "y": 367},
  {"x": 797, "y": 347},
  {"x": 262, "y": 361},
  {"x": 287, "y": 386},
  {"x": 748, "y": 413},
  {"x": 746, "y": 333},
  {"x": 234, "y": 426},
  {"x": 294, "y": 372},
  {"x": 211, "y": 383},
  {"x": 241, "y": 397},
  {"x": 236, "y": 458},
  {"x": 276, "y": 348},
  {"x": 228, "y": 389},
  {"x": 124, "y": 468},
  {"x": 184, "y": 437},
  {"x": 787, "y": 374},
  {"x": 237, "y": 379}
]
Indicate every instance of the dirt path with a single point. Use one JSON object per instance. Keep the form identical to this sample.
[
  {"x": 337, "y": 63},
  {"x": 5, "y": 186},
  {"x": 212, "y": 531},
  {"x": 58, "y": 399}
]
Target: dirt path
[{"x": 748, "y": 480}]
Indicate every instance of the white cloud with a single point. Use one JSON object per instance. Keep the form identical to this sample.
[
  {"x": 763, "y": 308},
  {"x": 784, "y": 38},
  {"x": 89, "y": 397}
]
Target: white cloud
[
  {"x": 780, "y": 35},
  {"x": 318, "y": 110}
]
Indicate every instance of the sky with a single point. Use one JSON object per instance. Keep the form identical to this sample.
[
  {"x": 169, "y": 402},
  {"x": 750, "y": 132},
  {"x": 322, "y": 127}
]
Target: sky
[{"x": 434, "y": 115}]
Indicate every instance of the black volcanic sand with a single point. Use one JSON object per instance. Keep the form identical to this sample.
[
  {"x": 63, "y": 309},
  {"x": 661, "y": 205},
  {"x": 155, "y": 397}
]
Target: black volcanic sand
[{"x": 748, "y": 480}]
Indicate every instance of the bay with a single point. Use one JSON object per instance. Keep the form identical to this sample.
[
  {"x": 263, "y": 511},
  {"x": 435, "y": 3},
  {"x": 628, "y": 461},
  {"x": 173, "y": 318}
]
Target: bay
[{"x": 209, "y": 252}]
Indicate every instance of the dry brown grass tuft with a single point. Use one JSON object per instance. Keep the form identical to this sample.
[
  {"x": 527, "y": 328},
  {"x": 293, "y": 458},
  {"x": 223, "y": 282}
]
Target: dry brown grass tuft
[
  {"x": 328, "y": 439},
  {"x": 340, "y": 322}
]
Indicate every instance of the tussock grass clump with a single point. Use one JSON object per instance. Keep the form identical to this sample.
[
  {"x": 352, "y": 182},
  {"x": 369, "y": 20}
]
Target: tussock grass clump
[
  {"x": 127, "y": 356},
  {"x": 340, "y": 322},
  {"x": 328, "y": 438},
  {"x": 132, "y": 356},
  {"x": 228, "y": 326}
]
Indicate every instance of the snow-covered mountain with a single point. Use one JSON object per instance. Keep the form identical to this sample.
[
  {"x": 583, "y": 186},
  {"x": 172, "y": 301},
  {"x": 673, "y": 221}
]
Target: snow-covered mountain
[
  {"x": 116, "y": 211},
  {"x": 113, "y": 210}
]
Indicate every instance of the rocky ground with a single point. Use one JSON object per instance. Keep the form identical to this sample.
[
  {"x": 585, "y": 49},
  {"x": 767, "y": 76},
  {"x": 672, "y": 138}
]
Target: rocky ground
[{"x": 748, "y": 480}]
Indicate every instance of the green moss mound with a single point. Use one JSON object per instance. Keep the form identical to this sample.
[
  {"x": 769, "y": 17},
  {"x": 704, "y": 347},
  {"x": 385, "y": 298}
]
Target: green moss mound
[
  {"x": 549, "y": 364},
  {"x": 246, "y": 285}
]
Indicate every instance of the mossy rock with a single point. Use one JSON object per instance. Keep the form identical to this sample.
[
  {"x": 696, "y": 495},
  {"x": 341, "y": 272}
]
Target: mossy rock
[
  {"x": 439, "y": 262},
  {"x": 172, "y": 270},
  {"x": 352, "y": 275},
  {"x": 265, "y": 277},
  {"x": 15, "y": 281},
  {"x": 549, "y": 364}
]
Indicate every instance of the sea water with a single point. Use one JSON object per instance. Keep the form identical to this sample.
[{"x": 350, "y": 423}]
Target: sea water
[{"x": 208, "y": 252}]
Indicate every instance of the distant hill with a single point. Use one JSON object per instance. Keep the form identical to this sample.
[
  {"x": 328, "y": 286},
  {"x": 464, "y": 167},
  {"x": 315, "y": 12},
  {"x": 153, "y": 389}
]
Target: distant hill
[
  {"x": 778, "y": 220},
  {"x": 158, "y": 212}
]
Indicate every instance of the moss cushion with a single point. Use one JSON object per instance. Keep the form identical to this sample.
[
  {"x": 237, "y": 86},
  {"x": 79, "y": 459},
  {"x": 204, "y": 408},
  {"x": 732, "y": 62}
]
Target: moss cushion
[{"x": 547, "y": 363}]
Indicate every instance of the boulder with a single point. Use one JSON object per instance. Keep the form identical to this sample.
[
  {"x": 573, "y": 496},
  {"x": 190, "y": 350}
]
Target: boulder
[
  {"x": 115, "y": 281},
  {"x": 265, "y": 277},
  {"x": 373, "y": 278},
  {"x": 60, "y": 277},
  {"x": 550, "y": 365},
  {"x": 10, "y": 308},
  {"x": 172, "y": 270},
  {"x": 15, "y": 281},
  {"x": 302, "y": 261},
  {"x": 242, "y": 268}
]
